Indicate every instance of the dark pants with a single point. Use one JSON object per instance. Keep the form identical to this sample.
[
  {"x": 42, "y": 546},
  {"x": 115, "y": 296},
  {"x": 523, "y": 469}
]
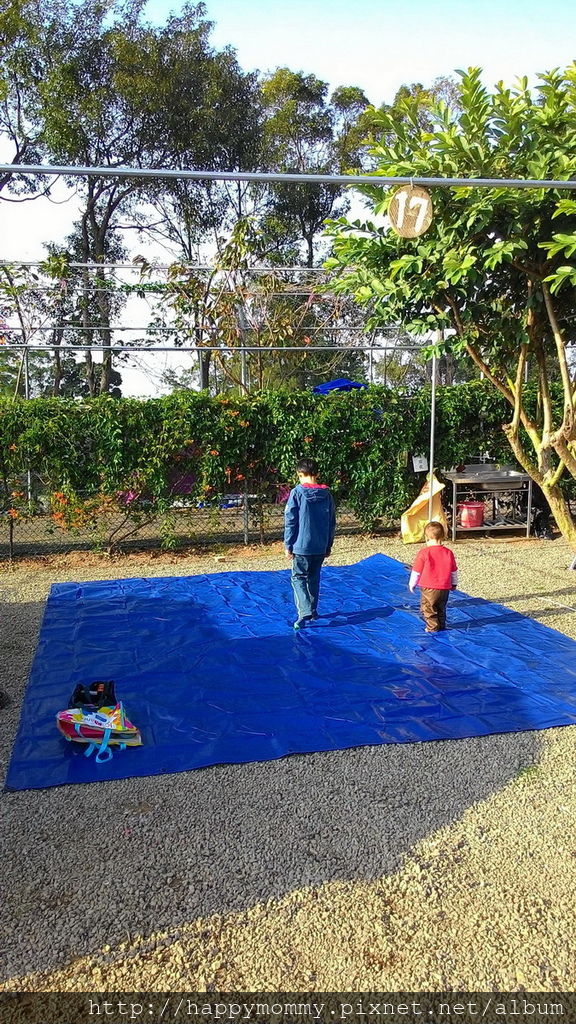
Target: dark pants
[
  {"x": 433, "y": 607},
  {"x": 306, "y": 583}
]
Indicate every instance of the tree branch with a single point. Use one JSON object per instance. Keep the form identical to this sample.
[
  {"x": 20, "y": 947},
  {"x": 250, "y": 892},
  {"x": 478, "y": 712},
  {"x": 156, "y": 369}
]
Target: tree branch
[
  {"x": 566, "y": 428},
  {"x": 568, "y": 457},
  {"x": 515, "y": 425}
]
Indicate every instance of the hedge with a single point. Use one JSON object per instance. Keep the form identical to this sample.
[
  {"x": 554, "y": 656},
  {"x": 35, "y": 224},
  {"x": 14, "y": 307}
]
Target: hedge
[{"x": 138, "y": 455}]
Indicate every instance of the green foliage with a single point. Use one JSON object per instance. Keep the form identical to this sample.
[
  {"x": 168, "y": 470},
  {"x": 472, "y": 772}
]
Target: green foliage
[
  {"x": 496, "y": 269},
  {"x": 471, "y": 269},
  {"x": 131, "y": 455},
  {"x": 563, "y": 244}
]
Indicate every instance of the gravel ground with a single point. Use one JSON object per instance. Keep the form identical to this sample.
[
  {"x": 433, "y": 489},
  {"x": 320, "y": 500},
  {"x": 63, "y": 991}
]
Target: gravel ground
[{"x": 409, "y": 867}]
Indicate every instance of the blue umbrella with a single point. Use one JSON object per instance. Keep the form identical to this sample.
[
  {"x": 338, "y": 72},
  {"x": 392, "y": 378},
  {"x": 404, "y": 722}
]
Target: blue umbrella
[{"x": 342, "y": 384}]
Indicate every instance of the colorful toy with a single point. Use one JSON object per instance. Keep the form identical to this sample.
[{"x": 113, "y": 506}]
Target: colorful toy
[{"x": 100, "y": 725}]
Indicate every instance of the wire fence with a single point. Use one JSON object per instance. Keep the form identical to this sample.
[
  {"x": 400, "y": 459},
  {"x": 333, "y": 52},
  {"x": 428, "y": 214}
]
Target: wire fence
[
  {"x": 211, "y": 328},
  {"x": 234, "y": 519}
]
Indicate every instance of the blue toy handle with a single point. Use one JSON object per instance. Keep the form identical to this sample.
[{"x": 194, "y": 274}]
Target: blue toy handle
[{"x": 104, "y": 752}]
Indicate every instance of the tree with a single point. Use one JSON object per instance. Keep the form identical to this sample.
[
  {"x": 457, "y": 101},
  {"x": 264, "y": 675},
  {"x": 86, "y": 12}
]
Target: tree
[
  {"x": 127, "y": 93},
  {"x": 221, "y": 130},
  {"x": 228, "y": 307},
  {"x": 27, "y": 31},
  {"x": 213, "y": 121},
  {"x": 488, "y": 266},
  {"x": 306, "y": 133},
  {"x": 43, "y": 305},
  {"x": 412, "y": 102},
  {"x": 25, "y": 302}
]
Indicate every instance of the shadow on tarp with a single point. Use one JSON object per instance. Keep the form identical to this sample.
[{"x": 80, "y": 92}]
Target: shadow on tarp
[{"x": 165, "y": 851}]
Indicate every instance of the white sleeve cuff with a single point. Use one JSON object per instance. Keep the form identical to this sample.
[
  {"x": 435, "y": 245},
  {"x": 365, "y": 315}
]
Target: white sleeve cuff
[{"x": 414, "y": 577}]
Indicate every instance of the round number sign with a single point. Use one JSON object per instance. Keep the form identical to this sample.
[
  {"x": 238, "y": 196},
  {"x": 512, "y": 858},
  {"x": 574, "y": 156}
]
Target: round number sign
[{"x": 410, "y": 211}]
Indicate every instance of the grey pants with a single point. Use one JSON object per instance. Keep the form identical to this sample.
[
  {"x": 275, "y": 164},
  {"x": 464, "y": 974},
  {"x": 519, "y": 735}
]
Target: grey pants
[{"x": 306, "y": 583}]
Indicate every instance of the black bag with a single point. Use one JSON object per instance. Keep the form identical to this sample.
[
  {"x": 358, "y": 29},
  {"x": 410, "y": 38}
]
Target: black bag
[
  {"x": 94, "y": 695},
  {"x": 541, "y": 526}
]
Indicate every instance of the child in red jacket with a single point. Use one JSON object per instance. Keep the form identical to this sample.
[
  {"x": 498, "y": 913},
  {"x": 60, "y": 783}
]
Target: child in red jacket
[{"x": 436, "y": 573}]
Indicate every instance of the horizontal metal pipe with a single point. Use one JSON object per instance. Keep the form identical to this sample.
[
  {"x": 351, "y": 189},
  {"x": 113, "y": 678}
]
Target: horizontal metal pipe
[
  {"x": 278, "y": 177},
  {"x": 126, "y": 350},
  {"x": 170, "y": 330},
  {"x": 116, "y": 289},
  {"x": 168, "y": 266}
]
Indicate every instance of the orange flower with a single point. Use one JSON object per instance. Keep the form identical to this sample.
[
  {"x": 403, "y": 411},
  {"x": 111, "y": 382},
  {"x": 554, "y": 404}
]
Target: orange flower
[
  {"x": 213, "y": 451},
  {"x": 13, "y": 448},
  {"x": 307, "y": 439},
  {"x": 12, "y": 513},
  {"x": 240, "y": 476},
  {"x": 17, "y": 494},
  {"x": 244, "y": 423}
]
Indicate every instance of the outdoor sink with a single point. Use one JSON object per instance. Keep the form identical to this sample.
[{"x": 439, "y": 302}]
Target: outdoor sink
[{"x": 486, "y": 476}]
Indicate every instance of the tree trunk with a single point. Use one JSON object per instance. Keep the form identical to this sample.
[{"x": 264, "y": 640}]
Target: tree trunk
[
  {"x": 204, "y": 354},
  {"x": 560, "y": 509},
  {"x": 90, "y": 375},
  {"x": 204, "y": 367},
  {"x": 447, "y": 369},
  {"x": 559, "y": 506},
  {"x": 103, "y": 302},
  {"x": 56, "y": 342}
]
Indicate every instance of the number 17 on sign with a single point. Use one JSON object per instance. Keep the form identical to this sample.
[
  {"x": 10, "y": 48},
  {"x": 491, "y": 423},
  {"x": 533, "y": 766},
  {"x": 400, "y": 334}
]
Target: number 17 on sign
[{"x": 410, "y": 211}]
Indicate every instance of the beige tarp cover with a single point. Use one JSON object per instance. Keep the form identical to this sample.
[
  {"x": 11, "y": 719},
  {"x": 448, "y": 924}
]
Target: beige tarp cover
[{"x": 414, "y": 520}]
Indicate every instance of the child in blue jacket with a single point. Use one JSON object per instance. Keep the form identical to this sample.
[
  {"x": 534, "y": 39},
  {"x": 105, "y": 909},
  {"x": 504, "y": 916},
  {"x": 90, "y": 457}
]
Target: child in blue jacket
[{"x": 309, "y": 527}]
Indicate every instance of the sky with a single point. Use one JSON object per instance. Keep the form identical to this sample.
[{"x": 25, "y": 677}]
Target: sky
[
  {"x": 381, "y": 44},
  {"x": 375, "y": 44}
]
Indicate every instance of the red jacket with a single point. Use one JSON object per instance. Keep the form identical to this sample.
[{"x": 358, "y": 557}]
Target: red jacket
[{"x": 435, "y": 567}]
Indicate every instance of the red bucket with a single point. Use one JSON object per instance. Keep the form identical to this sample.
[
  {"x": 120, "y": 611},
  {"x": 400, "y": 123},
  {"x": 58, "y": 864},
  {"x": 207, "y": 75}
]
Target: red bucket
[{"x": 471, "y": 514}]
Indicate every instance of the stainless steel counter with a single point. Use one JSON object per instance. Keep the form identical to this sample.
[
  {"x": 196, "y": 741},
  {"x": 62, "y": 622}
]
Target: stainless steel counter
[{"x": 487, "y": 479}]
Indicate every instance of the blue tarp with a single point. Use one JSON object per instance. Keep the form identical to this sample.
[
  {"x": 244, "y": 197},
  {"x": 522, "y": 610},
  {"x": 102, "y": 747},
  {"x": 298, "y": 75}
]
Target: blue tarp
[
  {"x": 211, "y": 671},
  {"x": 342, "y": 384}
]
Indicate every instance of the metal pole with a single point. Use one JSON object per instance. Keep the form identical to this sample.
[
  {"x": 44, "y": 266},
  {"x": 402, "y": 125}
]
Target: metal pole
[
  {"x": 243, "y": 327},
  {"x": 26, "y": 374},
  {"x": 123, "y": 349},
  {"x": 371, "y": 359},
  {"x": 246, "y": 518},
  {"x": 174, "y": 330},
  {"x": 27, "y": 396},
  {"x": 200, "y": 267},
  {"x": 244, "y": 369},
  {"x": 432, "y": 433},
  {"x": 156, "y": 173},
  {"x": 529, "y": 509}
]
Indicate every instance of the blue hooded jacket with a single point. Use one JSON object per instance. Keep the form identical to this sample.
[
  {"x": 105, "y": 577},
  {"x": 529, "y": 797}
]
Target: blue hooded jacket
[{"x": 309, "y": 520}]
